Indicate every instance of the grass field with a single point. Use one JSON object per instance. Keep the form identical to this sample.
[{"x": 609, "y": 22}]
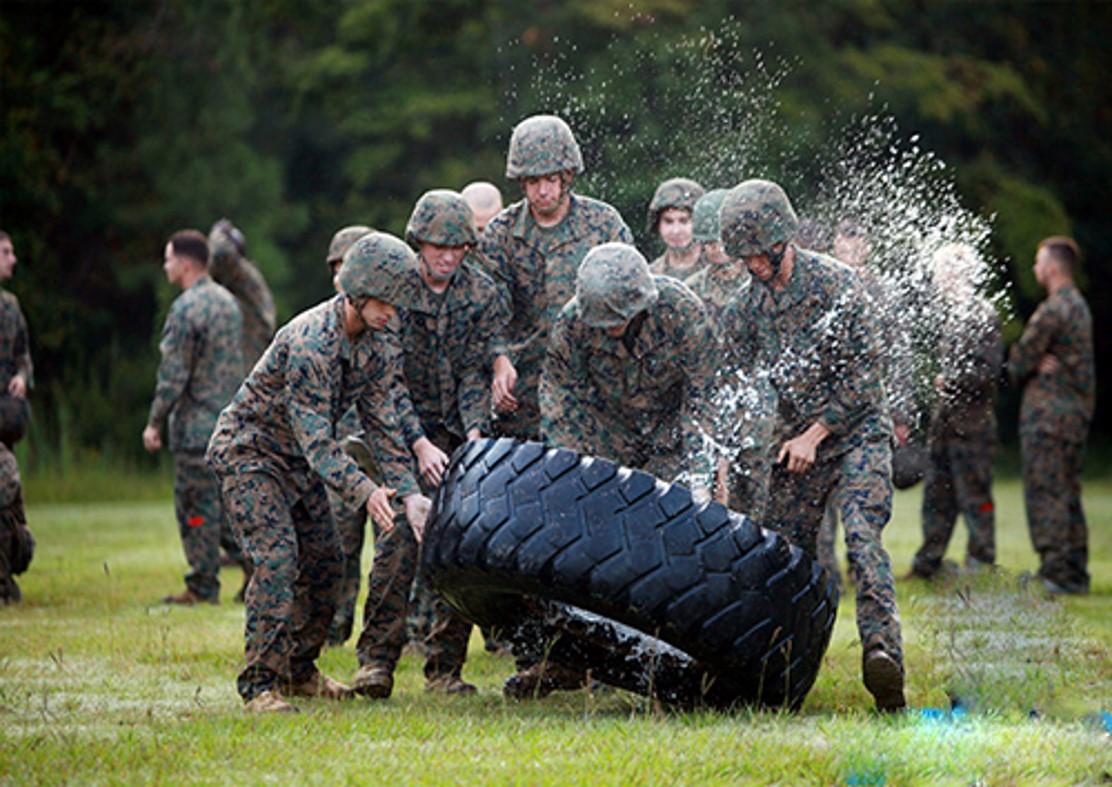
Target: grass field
[{"x": 100, "y": 683}]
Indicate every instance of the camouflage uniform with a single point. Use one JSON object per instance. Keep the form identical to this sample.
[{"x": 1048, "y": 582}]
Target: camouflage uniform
[
  {"x": 536, "y": 265},
  {"x": 275, "y": 451},
  {"x": 230, "y": 268},
  {"x": 680, "y": 193},
  {"x": 201, "y": 366},
  {"x": 15, "y": 358},
  {"x": 962, "y": 436},
  {"x": 1053, "y": 426},
  {"x": 818, "y": 340},
  {"x": 640, "y": 399},
  {"x": 449, "y": 342}
]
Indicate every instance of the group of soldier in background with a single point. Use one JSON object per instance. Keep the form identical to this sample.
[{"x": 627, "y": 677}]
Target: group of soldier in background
[{"x": 766, "y": 381}]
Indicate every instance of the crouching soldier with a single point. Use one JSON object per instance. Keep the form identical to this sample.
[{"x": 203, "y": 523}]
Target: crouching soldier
[
  {"x": 275, "y": 451},
  {"x": 452, "y": 334}
]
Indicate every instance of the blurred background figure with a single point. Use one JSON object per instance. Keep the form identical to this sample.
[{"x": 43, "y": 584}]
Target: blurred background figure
[{"x": 485, "y": 200}]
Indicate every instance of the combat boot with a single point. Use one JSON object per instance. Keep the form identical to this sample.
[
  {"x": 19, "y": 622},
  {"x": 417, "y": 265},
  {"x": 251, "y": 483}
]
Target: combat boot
[
  {"x": 187, "y": 598},
  {"x": 321, "y": 686},
  {"x": 269, "y": 702},
  {"x": 884, "y": 678},
  {"x": 374, "y": 681},
  {"x": 449, "y": 684},
  {"x": 540, "y": 680}
]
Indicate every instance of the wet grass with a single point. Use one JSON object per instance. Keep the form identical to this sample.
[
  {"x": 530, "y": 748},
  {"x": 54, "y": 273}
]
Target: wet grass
[{"x": 100, "y": 683}]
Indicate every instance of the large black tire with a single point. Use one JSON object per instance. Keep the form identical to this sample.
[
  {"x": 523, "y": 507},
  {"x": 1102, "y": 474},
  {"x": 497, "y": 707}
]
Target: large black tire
[{"x": 597, "y": 566}]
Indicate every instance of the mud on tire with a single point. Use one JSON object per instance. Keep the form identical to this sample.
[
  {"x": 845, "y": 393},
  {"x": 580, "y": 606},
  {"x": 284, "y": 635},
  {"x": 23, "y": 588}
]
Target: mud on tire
[{"x": 597, "y": 566}]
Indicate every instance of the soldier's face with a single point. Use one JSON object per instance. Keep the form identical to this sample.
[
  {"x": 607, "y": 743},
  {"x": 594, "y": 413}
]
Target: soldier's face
[
  {"x": 376, "y": 313},
  {"x": 675, "y": 227},
  {"x": 336, "y": 274},
  {"x": 1043, "y": 264},
  {"x": 760, "y": 267},
  {"x": 545, "y": 192},
  {"x": 172, "y": 264},
  {"x": 7, "y": 259},
  {"x": 439, "y": 263},
  {"x": 618, "y": 331},
  {"x": 716, "y": 254}
]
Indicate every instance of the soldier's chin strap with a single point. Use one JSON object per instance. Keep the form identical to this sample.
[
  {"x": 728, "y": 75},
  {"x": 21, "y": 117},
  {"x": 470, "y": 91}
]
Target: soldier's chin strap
[
  {"x": 776, "y": 258},
  {"x": 629, "y": 338}
]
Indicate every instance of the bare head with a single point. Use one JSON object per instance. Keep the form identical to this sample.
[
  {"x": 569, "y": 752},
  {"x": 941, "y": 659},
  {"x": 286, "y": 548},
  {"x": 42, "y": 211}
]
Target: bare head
[
  {"x": 185, "y": 258},
  {"x": 7, "y": 256},
  {"x": 485, "y": 200},
  {"x": 1056, "y": 261}
]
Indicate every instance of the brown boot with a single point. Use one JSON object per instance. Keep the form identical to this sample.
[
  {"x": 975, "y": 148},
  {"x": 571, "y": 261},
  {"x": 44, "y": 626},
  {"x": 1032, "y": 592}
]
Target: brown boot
[
  {"x": 187, "y": 598},
  {"x": 269, "y": 702},
  {"x": 374, "y": 681},
  {"x": 321, "y": 686},
  {"x": 884, "y": 679},
  {"x": 449, "y": 684},
  {"x": 540, "y": 680}
]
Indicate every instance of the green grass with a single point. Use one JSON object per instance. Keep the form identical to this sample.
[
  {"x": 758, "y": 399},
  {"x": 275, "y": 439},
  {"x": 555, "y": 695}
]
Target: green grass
[{"x": 99, "y": 683}]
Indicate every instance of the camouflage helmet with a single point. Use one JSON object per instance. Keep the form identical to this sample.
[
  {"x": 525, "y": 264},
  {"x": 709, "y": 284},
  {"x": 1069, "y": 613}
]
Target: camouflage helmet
[
  {"x": 705, "y": 216},
  {"x": 613, "y": 285},
  {"x": 342, "y": 241},
  {"x": 542, "y": 145},
  {"x": 680, "y": 193},
  {"x": 442, "y": 217},
  {"x": 755, "y": 216},
  {"x": 379, "y": 266}
]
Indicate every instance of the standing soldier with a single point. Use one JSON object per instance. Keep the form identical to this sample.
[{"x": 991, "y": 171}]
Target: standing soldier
[
  {"x": 275, "y": 451},
  {"x": 16, "y": 376},
  {"x": 962, "y": 431},
  {"x": 451, "y": 335},
  {"x": 533, "y": 250},
  {"x": 670, "y": 217},
  {"x": 1054, "y": 362},
  {"x": 813, "y": 326},
  {"x": 748, "y": 402},
  {"x": 485, "y": 200},
  {"x": 230, "y": 268},
  {"x": 201, "y": 366}
]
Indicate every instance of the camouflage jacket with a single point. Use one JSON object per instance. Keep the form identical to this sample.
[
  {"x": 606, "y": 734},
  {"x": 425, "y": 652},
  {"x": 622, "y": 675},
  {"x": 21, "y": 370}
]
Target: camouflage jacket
[
  {"x": 660, "y": 267},
  {"x": 648, "y": 389},
  {"x": 285, "y": 417},
  {"x": 242, "y": 278},
  {"x": 450, "y": 342},
  {"x": 717, "y": 291},
  {"x": 970, "y": 354},
  {"x": 818, "y": 342},
  {"x": 202, "y": 364},
  {"x": 1062, "y": 403},
  {"x": 15, "y": 344},
  {"x": 536, "y": 268}
]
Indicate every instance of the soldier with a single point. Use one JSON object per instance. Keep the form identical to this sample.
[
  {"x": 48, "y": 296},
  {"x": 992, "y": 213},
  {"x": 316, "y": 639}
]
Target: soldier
[
  {"x": 626, "y": 377},
  {"x": 669, "y": 216},
  {"x": 814, "y": 329},
  {"x": 16, "y": 377},
  {"x": 1053, "y": 360},
  {"x": 275, "y": 450},
  {"x": 485, "y": 200},
  {"x": 202, "y": 363},
  {"x": 533, "y": 250},
  {"x": 749, "y": 408},
  {"x": 962, "y": 431},
  {"x": 230, "y": 268},
  {"x": 452, "y": 334}
]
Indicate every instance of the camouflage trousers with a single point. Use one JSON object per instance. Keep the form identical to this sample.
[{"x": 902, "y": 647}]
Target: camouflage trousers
[
  {"x": 351, "y": 528},
  {"x": 958, "y": 481},
  {"x": 748, "y": 482},
  {"x": 288, "y": 535},
  {"x": 862, "y": 478},
  {"x": 201, "y": 525},
  {"x": 16, "y": 544},
  {"x": 826, "y": 543},
  {"x": 1055, "y": 519}
]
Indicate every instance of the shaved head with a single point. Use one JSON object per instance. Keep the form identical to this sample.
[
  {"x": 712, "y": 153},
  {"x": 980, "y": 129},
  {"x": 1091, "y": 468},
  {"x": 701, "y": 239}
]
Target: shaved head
[{"x": 485, "y": 200}]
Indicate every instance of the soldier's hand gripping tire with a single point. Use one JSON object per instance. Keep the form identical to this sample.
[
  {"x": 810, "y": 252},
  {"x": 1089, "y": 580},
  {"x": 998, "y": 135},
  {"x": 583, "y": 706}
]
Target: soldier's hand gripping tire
[{"x": 594, "y": 566}]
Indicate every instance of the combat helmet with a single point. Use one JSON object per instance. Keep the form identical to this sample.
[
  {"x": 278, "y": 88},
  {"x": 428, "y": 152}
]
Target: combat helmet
[
  {"x": 755, "y": 216},
  {"x": 342, "y": 241},
  {"x": 613, "y": 285},
  {"x": 680, "y": 193},
  {"x": 542, "y": 145},
  {"x": 442, "y": 217},
  {"x": 705, "y": 216},
  {"x": 379, "y": 266}
]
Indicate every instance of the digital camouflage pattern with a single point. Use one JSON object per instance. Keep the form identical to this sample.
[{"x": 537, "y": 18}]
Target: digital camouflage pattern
[
  {"x": 1054, "y": 423},
  {"x": 536, "y": 268},
  {"x": 542, "y": 145},
  {"x": 662, "y": 266},
  {"x": 718, "y": 286},
  {"x": 379, "y": 266},
  {"x": 16, "y": 543},
  {"x": 642, "y": 399},
  {"x": 442, "y": 217},
  {"x": 704, "y": 216},
  {"x": 15, "y": 344},
  {"x": 962, "y": 437},
  {"x": 681, "y": 193},
  {"x": 755, "y": 216},
  {"x": 202, "y": 364},
  {"x": 231, "y": 269},
  {"x": 200, "y": 516},
  {"x": 343, "y": 240},
  {"x": 613, "y": 286}
]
